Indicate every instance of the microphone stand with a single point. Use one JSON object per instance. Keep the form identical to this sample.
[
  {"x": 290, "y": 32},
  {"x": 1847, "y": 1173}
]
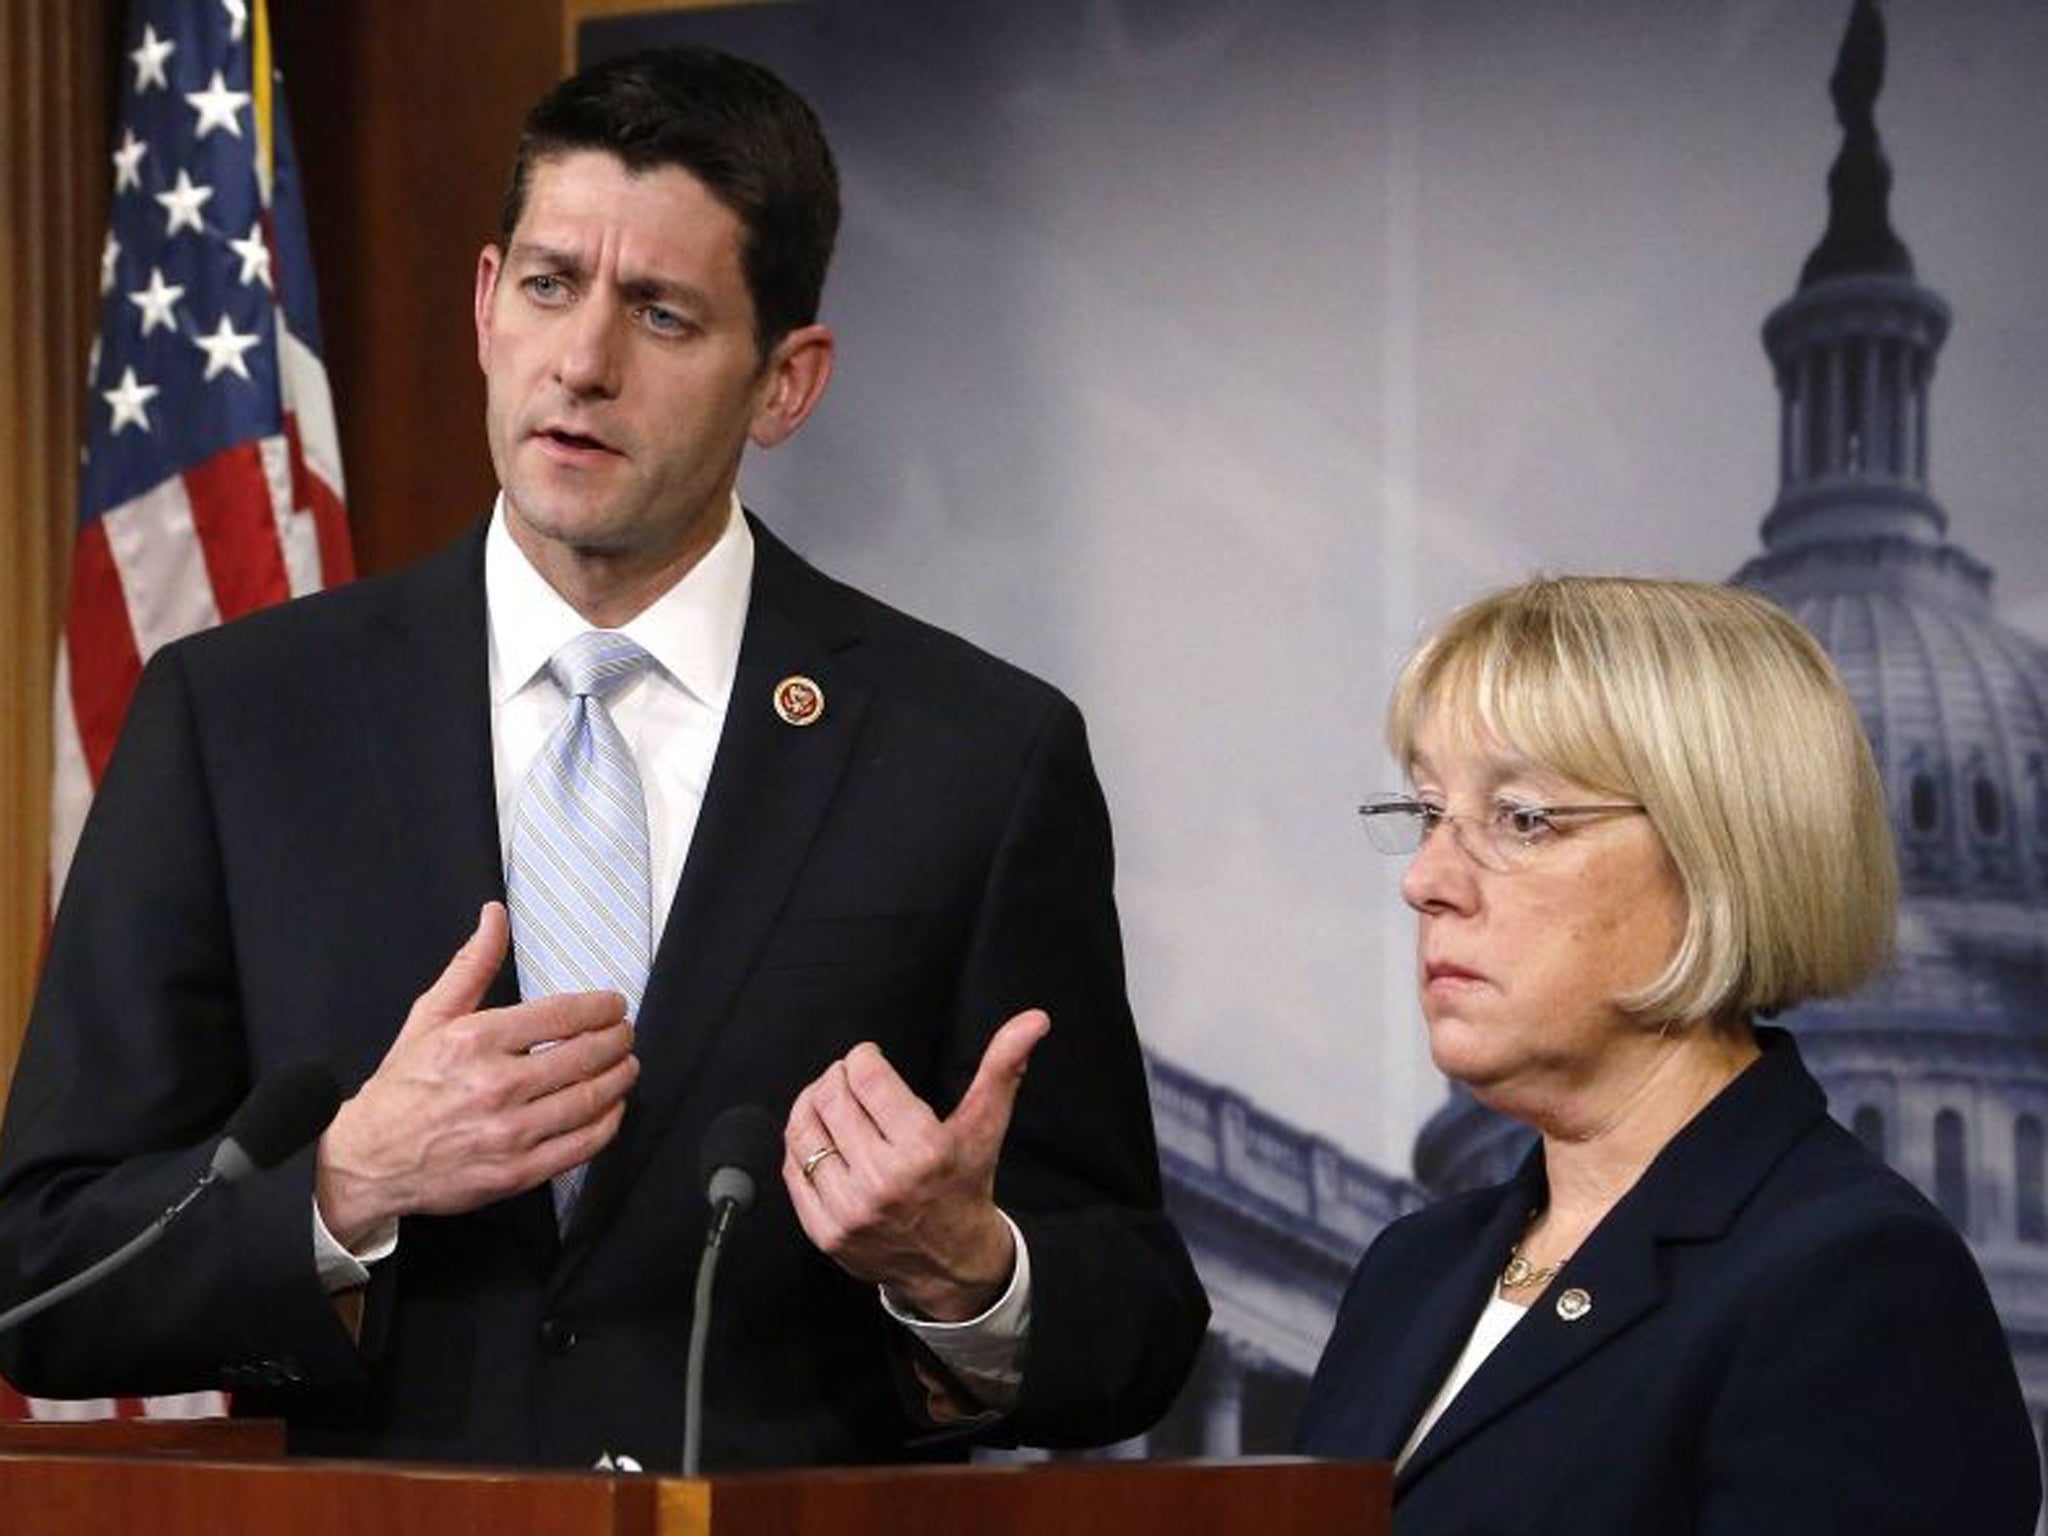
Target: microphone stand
[
  {"x": 36, "y": 1305},
  {"x": 700, "y": 1331},
  {"x": 741, "y": 1151}
]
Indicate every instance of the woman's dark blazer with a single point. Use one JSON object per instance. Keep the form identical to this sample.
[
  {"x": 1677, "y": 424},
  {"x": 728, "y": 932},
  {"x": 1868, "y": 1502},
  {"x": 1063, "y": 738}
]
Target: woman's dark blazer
[{"x": 1783, "y": 1335}]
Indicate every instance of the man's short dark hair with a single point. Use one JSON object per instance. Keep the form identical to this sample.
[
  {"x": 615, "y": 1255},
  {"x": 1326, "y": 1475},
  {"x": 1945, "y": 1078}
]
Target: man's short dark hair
[{"x": 753, "y": 142}]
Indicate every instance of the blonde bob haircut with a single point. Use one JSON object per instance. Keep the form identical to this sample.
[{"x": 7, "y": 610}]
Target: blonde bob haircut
[{"x": 1714, "y": 710}]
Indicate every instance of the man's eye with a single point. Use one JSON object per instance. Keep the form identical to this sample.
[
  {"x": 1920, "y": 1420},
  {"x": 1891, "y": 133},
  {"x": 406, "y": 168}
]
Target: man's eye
[
  {"x": 545, "y": 288},
  {"x": 665, "y": 322}
]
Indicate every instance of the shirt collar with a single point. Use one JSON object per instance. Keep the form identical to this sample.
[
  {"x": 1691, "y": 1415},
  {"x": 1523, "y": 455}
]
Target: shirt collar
[{"x": 692, "y": 630}]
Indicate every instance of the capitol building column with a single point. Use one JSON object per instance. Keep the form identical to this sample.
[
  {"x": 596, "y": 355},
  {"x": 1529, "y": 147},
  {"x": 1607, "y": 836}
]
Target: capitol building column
[{"x": 1222, "y": 1399}]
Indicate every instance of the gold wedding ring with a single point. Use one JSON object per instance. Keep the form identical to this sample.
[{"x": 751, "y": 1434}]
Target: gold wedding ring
[{"x": 810, "y": 1164}]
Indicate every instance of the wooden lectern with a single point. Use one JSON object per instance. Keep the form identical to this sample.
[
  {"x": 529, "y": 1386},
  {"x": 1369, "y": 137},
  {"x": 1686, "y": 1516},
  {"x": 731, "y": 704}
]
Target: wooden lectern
[{"x": 211, "y": 1477}]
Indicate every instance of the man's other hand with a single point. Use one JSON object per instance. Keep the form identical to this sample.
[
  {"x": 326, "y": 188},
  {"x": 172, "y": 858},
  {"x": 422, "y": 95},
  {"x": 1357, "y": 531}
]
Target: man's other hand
[{"x": 905, "y": 1199}]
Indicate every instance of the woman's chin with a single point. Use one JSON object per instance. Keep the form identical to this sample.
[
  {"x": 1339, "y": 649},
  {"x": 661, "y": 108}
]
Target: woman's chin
[
  {"x": 1483, "y": 1061},
  {"x": 1463, "y": 1051}
]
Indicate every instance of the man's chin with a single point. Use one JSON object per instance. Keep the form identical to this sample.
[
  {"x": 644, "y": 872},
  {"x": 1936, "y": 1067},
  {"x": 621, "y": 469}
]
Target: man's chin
[{"x": 589, "y": 532}]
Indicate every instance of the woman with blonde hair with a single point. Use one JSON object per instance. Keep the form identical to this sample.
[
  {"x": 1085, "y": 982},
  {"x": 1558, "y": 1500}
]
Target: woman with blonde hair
[{"x": 1642, "y": 816}]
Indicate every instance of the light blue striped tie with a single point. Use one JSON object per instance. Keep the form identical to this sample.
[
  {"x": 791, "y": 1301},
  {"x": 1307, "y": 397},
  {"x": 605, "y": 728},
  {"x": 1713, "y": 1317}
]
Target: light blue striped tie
[{"x": 577, "y": 878}]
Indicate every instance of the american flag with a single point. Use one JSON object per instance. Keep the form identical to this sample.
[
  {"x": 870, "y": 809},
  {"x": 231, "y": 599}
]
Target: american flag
[{"x": 210, "y": 483}]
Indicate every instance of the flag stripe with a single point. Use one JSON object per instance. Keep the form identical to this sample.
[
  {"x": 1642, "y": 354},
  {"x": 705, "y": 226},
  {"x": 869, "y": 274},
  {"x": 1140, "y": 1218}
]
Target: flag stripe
[
  {"x": 163, "y": 570},
  {"x": 105, "y": 659},
  {"x": 303, "y": 381},
  {"x": 297, "y": 538},
  {"x": 71, "y": 778},
  {"x": 330, "y": 524},
  {"x": 320, "y": 499},
  {"x": 77, "y": 1410},
  {"x": 235, "y": 522}
]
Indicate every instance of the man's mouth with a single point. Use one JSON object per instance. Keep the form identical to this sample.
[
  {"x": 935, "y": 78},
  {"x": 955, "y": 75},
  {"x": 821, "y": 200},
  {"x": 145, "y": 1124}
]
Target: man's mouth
[{"x": 575, "y": 442}]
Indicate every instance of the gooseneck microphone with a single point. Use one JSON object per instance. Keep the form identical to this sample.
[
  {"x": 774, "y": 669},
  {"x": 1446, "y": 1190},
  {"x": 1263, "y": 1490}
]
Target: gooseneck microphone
[
  {"x": 282, "y": 1113},
  {"x": 286, "y": 1110},
  {"x": 742, "y": 1150}
]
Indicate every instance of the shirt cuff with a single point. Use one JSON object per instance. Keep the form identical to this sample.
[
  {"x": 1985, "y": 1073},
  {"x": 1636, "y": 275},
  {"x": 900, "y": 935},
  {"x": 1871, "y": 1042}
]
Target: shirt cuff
[
  {"x": 342, "y": 1270},
  {"x": 985, "y": 1353}
]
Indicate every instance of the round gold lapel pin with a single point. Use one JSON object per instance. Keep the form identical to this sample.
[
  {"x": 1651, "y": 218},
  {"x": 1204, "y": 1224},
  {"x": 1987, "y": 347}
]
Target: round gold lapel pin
[
  {"x": 799, "y": 701},
  {"x": 1574, "y": 1304}
]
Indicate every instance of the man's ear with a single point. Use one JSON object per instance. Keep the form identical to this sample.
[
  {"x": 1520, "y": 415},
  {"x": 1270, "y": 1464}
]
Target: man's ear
[
  {"x": 794, "y": 380},
  {"x": 489, "y": 266}
]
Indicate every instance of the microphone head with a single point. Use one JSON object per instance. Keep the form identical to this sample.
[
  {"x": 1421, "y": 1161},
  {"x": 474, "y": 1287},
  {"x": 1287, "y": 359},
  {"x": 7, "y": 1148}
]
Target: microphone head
[
  {"x": 741, "y": 1150},
  {"x": 282, "y": 1113},
  {"x": 732, "y": 1186}
]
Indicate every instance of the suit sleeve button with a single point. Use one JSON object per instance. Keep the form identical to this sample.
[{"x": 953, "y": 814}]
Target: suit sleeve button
[{"x": 557, "y": 1335}]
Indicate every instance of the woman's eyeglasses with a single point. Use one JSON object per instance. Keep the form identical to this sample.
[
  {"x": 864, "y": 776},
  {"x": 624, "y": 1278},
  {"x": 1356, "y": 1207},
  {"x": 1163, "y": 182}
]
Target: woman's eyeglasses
[{"x": 1508, "y": 835}]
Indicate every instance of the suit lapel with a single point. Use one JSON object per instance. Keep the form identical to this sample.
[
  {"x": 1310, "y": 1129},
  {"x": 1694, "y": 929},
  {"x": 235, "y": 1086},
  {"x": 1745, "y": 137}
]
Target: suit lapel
[
  {"x": 1430, "y": 1342},
  {"x": 1692, "y": 1192},
  {"x": 423, "y": 690},
  {"x": 423, "y": 685},
  {"x": 769, "y": 790},
  {"x": 1616, "y": 1268}
]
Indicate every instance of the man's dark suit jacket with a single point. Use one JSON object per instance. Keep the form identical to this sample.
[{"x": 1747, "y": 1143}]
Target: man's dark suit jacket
[
  {"x": 1783, "y": 1337},
  {"x": 293, "y": 837}
]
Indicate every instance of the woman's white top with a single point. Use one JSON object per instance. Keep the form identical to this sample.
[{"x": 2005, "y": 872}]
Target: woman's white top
[{"x": 1495, "y": 1323}]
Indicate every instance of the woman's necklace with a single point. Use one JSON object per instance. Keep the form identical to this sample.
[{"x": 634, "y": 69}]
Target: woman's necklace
[{"x": 1518, "y": 1273}]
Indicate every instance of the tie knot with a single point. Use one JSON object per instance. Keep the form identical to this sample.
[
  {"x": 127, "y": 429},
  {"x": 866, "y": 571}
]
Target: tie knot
[{"x": 597, "y": 663}]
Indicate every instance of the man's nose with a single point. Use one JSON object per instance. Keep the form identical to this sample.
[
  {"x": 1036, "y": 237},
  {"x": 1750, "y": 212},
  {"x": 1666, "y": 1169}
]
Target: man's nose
[{"x": 588, "y": 363}]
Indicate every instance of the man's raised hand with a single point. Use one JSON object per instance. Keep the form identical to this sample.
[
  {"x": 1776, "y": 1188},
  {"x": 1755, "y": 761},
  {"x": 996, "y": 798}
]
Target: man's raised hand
[
  {"x": 897, "y": 1196},
  {"x": 463, "y": 1110}
]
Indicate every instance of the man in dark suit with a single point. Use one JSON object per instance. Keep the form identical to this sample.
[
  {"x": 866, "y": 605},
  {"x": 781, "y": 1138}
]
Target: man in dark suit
[{"x": 858, "y": 845}]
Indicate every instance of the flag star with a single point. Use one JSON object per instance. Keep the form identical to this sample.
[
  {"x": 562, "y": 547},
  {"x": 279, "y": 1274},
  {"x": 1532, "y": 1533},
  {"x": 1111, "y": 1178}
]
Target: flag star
[
  {"x": 183, "y": 203},
  {"x": 128, "y": 162},
  {"x": 238, "y": 18},
  {"x": 224, "y": 349},
  {"x": 110, "y": 253},
  {"x": 217, "y": 106},
  {"x": 155, "y": 302},
  {"x": 129, "y": 400},
  {"x": 149, "y": 60},
  {"x": 255, "y": 254}
]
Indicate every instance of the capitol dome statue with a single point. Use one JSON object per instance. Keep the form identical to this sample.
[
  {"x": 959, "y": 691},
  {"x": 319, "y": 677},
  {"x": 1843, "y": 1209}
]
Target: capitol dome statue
[{"x": 1941, "y": 1065}]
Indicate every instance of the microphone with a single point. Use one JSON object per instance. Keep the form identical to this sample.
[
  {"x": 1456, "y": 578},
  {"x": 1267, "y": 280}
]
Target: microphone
[
  {"x": 287, "y": 1110},
  {"x": 282, "y": 1113},
  {"x": 742, "y": 1148}
]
